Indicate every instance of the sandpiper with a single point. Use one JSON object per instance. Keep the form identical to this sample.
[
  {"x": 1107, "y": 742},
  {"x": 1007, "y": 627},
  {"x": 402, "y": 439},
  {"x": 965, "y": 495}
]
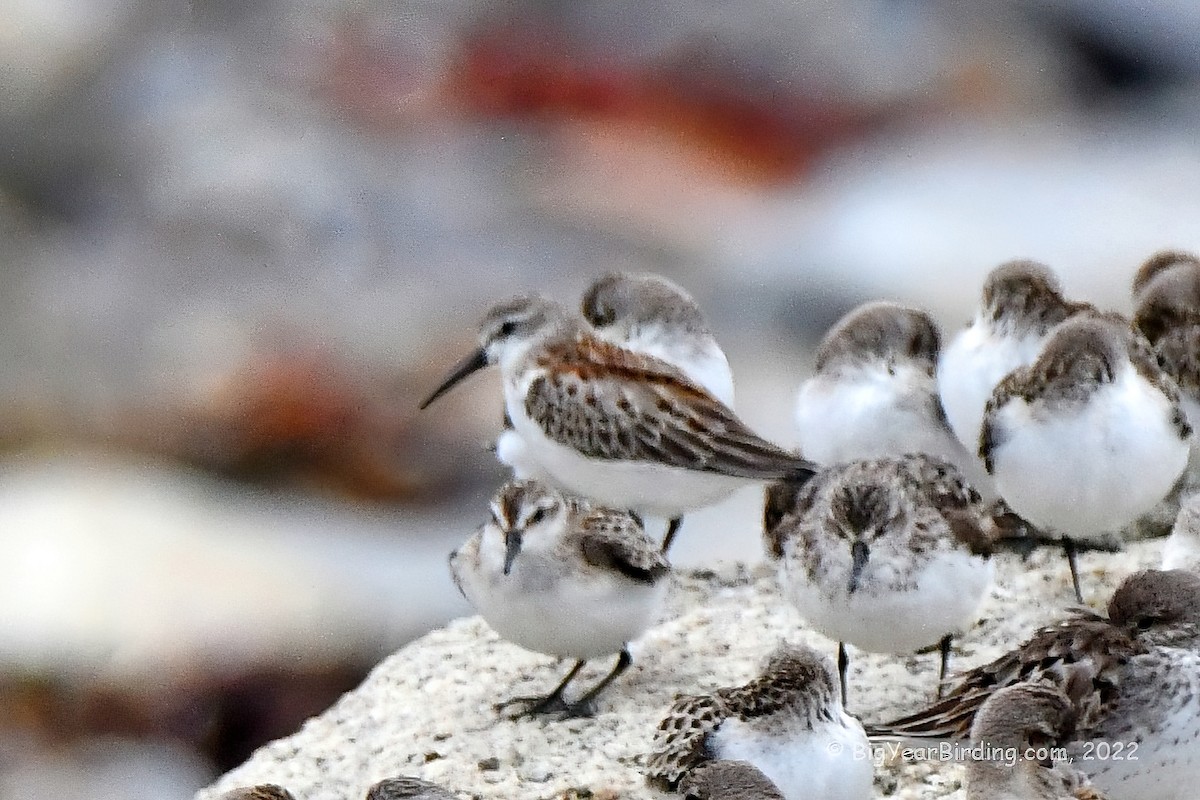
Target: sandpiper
[
  {"x": 651, "y": 315},
  {"x": 1087, "y": 438},
  {"x": 1021, "y": 301},
  {"x": 788, "y": 723},
  {"x": 890, "y": 555},
  {"x": 874, "y": 392},
  {"x": 1134, "y": 679},
  {"x": 555, "y": 575},
  {"x": 624, "y": 429}
]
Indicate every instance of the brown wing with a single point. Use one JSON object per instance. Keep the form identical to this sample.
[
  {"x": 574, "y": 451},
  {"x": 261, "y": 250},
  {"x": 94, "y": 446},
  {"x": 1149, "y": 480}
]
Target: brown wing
[
  {"x": 722, "y": 779},
  {"x": 1146, "y": 361},
  {"x": 785, "y": 499},
  {"x": 614, "y": 540},
  {"x": 681, "y": 741},
  {"x": 1178, "y": 353},
  {"x": 989, "y": 436},
  {"x": 1065, "y": 654},
  {"x": 609, "y": 403},
  {"x": 263, "y": 791},
  {"x": 942, "y": 484}
]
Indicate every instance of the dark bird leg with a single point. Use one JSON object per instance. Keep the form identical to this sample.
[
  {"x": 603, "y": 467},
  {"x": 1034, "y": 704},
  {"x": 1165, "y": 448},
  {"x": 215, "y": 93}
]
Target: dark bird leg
[
  {"x": 843, "y": 665},
  {"x": 584, "y": 706},
  {"x": 672, "y": 529},
  {"x": 551, "y": 703},
  {"x": 1070, "y": 549},
  {"x": 944, "y": 647}
]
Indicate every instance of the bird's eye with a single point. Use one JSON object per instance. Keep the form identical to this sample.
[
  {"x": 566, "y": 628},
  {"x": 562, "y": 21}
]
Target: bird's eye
[
  {"x": 537, "y": 516},
  {"x": 1145, "y": 623},
  {"x": 507, "y": 328}
]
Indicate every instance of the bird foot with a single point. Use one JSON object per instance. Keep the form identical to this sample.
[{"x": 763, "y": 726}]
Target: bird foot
[{"x": 547, "y": 706}]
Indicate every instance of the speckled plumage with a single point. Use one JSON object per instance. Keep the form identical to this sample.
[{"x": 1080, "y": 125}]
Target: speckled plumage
[
  {"x": 609, "y": 403},
  {"x": 624, "y": 429},
  {"x": 407, "y": 788},
  {"x": 1133, "y": 677},
  {"x": 928, "y": 479},
  {"x": 886, "y": 488},
  {"x": 263, "y": 791},
  {"x": 784, "y": 722},
  {"x": 728, "y": 780},
  {"x": 890, "y": 555},
  {"x": 556, "y": 575},
  {"x": 1015, "y": 731}
]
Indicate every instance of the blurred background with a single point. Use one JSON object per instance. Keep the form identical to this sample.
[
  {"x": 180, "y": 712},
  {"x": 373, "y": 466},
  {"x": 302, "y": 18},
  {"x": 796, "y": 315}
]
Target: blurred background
[{"x": 239, "y": 241}]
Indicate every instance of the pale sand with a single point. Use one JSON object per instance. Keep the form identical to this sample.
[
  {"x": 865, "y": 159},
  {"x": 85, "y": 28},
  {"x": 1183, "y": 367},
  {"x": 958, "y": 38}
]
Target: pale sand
[{"x": 428, "y": 709}]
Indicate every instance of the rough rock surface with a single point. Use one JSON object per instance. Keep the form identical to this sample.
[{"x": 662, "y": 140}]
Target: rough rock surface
[{"x": 428, "y": 709}]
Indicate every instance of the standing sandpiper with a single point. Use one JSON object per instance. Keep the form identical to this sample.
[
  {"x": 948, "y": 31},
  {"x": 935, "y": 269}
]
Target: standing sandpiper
[
  {"x": 890, "y": 555},
  {"x": 554, "y": 575},
  {"x": 621, "y": 428},
  {"x": 1087, "y": 438}
]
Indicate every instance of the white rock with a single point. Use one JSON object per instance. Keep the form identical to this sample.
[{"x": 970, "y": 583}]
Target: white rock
[{"x": 427, "y": 710}]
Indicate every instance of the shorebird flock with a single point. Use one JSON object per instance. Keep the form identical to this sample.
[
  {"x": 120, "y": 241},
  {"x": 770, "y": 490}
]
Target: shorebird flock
[{"x": 1044, "y": 421}]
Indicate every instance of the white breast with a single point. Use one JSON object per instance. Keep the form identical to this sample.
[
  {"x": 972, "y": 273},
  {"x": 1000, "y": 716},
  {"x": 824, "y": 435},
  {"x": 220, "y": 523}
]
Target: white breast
[
  {"x": 831, "y": 761},
  {"x": 556, "y": 609},
  {"x": 873, "y": 413},
  {"x": 701, "y": 360},
  {"x": 970, "y": 368},
  {"x": 943, "y": 597},
  {"x": 1094, "y": 470}
]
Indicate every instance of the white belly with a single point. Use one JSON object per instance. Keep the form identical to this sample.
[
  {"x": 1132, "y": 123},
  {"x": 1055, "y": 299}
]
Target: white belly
[
  {"x": 643, "y": 486},
  {"x": 567, "y": 615},
  {"x": 832, "y": 762},
  {"x": 970, "y": 368},
  {"x": 1095, "y": 471},
  {"x": 874, "y": 414},
  {"x": 944, "y": 598},
  {"x": 512, "y": 452}
]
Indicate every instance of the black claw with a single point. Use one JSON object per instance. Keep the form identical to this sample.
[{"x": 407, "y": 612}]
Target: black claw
[{"x": 552, "y": 703}]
